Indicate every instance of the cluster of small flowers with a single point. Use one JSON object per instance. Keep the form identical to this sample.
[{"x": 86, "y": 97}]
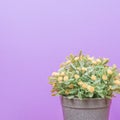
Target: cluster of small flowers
[
  {"x": 62, "y": 77},
  {"x": 86, "y": 86},
  {"x": 90, "y": 59}
]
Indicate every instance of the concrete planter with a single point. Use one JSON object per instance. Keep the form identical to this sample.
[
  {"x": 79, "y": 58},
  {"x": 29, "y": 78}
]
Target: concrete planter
[{"x": 87, "y": 109}]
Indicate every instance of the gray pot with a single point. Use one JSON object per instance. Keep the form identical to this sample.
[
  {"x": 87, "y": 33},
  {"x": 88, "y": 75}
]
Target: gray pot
[{"x": 86, "y": 109}]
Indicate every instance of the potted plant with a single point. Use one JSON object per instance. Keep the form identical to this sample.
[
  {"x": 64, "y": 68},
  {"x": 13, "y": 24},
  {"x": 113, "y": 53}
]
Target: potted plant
[{"x": 86, "y": 86}]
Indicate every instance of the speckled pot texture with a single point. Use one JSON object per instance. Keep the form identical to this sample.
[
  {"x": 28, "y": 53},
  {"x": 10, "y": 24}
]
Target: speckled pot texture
[{"x": 87, "y": 109}]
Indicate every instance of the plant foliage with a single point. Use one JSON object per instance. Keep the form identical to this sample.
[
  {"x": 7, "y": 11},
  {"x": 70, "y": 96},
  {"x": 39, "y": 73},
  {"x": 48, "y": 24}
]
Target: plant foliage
[{"x": 83, "y": 76}]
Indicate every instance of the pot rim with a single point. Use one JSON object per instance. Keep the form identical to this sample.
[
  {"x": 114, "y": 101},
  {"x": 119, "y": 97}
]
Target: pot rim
[{"x": 86, "y": 98}]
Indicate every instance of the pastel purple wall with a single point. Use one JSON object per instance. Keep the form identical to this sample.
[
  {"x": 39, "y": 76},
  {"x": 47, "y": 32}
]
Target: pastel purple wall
[{"x": 35, "y": 37}]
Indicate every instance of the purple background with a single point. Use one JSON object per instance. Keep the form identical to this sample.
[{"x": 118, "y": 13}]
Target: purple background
[{"x": 35, "y": 37}]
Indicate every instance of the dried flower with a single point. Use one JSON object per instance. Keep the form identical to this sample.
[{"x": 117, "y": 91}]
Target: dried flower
[
  {"x": 93, "y": 77},
  {"x": 84, "y": 69},
  {"x": 91, "y": 89},
  {"x": 53, "y": 90},
  {"x": 53, "y": 94},
  {"x": 55, "y": 74},
  {"x": 114, "y": 66},
  {"x": 90, "y": 58},
  {"x": 76, "y": 76},
  {"x": 62, "y": 65},
  {"x": 110, "y": 87},
  {"x": 84, "y": 85},
  {"x": 66, "y": 78},
  {"x": 119, "y": 74},
  {"x": 76, "y": 58},
  {"x": 109, "y": 72},
  {"x": 94, "y": 62},
  {"x": 67, "y": 92},
  {"x": 62, "y": 73},
  {"x": 104, "y": 77},
  {"x": 71, "y": 86},
  {"x": 60, "y": 78},
  {"x": 53, "y": 84},
  {"x": 117, "y": 82},
  {"x": 98, "y": 61},
  {"x": 80, "y": 83}
]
